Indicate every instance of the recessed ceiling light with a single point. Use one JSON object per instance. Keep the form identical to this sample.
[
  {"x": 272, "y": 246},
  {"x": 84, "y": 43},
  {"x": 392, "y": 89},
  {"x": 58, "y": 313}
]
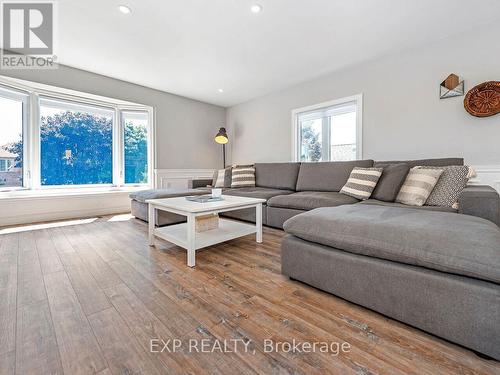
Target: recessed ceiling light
[
  {"x": 256, "y": 8},
  {"x": 220, "y": 90},
  {"x": 124, "y": 9}
]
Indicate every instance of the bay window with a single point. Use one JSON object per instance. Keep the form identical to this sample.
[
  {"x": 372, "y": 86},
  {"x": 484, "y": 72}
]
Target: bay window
[{"x": 50, "y": 139}]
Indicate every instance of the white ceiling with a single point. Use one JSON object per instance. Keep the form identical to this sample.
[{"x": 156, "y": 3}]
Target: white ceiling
[{"x": 194, "y": 47}]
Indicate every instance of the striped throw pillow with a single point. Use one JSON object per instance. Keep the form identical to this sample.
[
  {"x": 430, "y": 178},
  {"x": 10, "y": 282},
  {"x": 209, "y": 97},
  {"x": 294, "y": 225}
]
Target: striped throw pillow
[
  {"x": 243, "y": 176},
  {"x": 362, "y": 182},
  {"x": 222, "y": 178},
  {"x": 418, "y": 186}
]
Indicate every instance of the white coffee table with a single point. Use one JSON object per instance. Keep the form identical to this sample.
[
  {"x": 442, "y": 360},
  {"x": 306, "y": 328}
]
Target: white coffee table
[{"x": 185, "y": 236}]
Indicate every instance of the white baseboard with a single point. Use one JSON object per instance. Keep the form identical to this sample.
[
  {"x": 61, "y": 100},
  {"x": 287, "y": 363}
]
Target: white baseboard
[
  {"x": 37, "y": 209},
  {"x": 179, "y": 178}
]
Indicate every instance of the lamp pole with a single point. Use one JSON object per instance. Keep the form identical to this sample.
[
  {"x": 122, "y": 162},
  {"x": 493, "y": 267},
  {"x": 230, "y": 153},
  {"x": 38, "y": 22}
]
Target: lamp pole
[{"x": 224, "y": 156}]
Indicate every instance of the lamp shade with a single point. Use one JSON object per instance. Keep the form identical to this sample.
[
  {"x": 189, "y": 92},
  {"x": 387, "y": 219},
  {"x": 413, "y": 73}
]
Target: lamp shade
[{"x": 221, "y": 136}]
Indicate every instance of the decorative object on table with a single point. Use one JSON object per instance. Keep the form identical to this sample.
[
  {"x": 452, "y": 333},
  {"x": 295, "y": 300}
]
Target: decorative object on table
[
  {"x": 452, "y": 86},
  {"x": 362, "y": 182},
  {"x": 206, "y": 222},
  {"x": 204, "y": 199},
  {"x": 222, "y": 178},
  {"x": 221, "y": 138},
  {"x": 216, "y": 193},
  {"x": 243, "y": 176},
  {"x": 483, "y": 100}
]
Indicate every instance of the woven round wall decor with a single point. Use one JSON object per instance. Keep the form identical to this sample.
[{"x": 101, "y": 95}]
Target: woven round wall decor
[{"x": 484, "y": 99}]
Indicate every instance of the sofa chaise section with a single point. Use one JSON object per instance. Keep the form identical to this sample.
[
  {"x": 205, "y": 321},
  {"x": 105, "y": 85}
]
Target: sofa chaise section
[{"x": 437, "y": 271}]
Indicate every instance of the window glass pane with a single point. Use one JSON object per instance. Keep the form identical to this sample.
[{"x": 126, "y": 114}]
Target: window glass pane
[
  {"x": 343, "y": 136},
  {"x": 76, "y": 144},
  {"x": 11, "y": 142},
  {"x": 328, "y": 134},
  {"x": 311, "y": 140},
  {"x": 136, "y": 147}
]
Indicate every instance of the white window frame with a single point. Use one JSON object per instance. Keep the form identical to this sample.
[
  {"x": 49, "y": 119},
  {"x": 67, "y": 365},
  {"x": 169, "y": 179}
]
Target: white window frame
[
  {"x": 73, "y": 106},
  {"x": 31, "y": 133},
  {"x": 123, "y": 111},
  {"x": 357, "y": 99},
  {"x": 23, "y": 96}
]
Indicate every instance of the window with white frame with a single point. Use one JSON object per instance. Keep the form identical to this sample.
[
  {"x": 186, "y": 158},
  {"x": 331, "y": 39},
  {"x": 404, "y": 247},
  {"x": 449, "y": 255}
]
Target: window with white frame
[
  {"x": 328, "y": 131},
  {"x": 13, "y": 116},
  {"x": 76, "y": 144},
  {"x": 59, "y": 140},
  {"x": 135, "y": 136}
]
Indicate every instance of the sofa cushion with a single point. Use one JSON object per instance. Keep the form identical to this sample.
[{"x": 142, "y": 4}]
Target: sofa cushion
[
  {"x": 256, "y": 192},
  {"x": 327, "y": 176},
  {"x": 395, "y": 204},
  {"x": 453, "y": 243},
  {"x": 308, "y": 200},
  {"x": 441, "y": 162},
  {"x": 390, "y": 182},
  {"x": 143, "y": 195},
  {"x": 277, "y": 175}
]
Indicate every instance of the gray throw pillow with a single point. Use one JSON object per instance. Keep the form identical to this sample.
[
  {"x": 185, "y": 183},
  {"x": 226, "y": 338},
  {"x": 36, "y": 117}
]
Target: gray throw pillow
[
  {"x": 390, "y": 182},
  {"x": 449, "y": 186}
]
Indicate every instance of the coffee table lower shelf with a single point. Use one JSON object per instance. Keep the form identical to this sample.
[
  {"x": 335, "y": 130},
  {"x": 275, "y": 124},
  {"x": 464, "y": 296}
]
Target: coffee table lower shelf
[
  {"x": 185, "y": 235},
  {"x": 228, "y": 230}
]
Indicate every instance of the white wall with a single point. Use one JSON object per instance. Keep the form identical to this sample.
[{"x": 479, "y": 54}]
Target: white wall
[
  {"x": 403, "y": 117},
  {"x": 184, "y": 127}
]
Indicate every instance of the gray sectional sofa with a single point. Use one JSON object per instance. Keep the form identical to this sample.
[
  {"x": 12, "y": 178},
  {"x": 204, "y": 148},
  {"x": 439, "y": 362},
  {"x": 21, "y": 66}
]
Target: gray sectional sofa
[
  {"x": 436, "y": 268},
  {"x": 294, "y": 188}
]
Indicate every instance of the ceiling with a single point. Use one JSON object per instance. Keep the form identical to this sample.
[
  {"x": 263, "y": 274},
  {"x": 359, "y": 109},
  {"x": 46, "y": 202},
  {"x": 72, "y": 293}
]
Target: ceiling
[{"x": 194, "y": 48}]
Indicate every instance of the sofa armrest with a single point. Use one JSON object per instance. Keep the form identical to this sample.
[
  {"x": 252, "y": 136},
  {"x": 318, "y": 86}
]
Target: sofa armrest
[
  {"x": 199, "y": 183},
  {"x": 480, "y": 200}
]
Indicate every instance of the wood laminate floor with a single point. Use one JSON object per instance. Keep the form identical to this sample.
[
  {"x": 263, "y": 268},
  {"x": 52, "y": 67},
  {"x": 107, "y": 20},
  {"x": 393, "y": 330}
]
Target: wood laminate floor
[{"x": 90, "y": 298}]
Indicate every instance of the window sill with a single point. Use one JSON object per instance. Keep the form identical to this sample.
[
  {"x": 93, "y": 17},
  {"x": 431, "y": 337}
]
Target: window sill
[{"x": 67, "y": 192}]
